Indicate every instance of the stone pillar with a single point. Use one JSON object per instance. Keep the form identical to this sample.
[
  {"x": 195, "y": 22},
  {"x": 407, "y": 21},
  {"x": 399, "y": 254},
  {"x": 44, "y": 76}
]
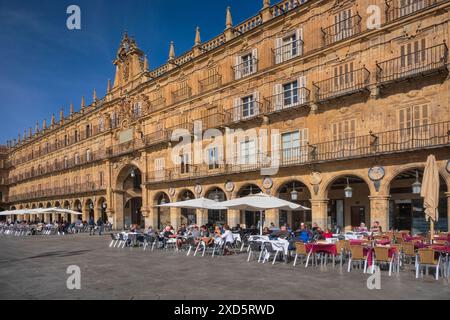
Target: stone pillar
[
  {"x": 379, "y": 211},
  {"x": 202, "y": 216},
  {"x": 272, "y": 216},
  {"x": 151, "y": 218},
  {"x": 175, "y": 217},
  {"x": 233, "y": 217},
  {"x": 47, "y": 218},
  {"x": 266, "y": 13},
  {"x": 448, "y": 210},
  {"x": 85, "y": 212},
  {"x": 319, "y": 209}
]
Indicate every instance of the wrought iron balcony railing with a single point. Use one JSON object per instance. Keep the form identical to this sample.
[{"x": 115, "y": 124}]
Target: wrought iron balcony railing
[
  {"x": 288, "y": 51},
  {"x": 374, "y": 144},
  {"x": 343, "y": 84},
  {"x": 244, "y": 111},
  {"x": 396, "y": 9},
  {"x": 342, "y": 30},
  {"x": 181, "y": 94},
  {"x": 287, "y": 100},
  {"x": 157, "y": 104},
  {"x": 210, "y": 83},
  {"x": 245, "y": 68},
  {"x": 418, "y": 63}
]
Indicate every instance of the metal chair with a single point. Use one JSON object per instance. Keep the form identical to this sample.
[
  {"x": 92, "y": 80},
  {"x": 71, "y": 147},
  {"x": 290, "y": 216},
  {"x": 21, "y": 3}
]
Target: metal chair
[
  {"x": 426, "y": 258},
  {"x": 357, "y": 255}
]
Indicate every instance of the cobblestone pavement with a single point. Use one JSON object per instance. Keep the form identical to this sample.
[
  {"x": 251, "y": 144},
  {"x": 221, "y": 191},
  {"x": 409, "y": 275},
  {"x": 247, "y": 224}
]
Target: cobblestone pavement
[{"x": 35, "y": 268}]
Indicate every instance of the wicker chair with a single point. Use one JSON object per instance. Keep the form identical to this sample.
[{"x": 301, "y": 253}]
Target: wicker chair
[
  {"x": 382, "y": 257},
  {"x": 357, "y": 254},
  {"x": 426, "y": 258},
  {"x": 300, "y": 250},
  {"x": 408, "y": 251}
]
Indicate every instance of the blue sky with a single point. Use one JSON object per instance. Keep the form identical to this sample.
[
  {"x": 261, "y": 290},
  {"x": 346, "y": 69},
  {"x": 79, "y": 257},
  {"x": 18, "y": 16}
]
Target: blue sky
[{"x": 45, "y": 66}]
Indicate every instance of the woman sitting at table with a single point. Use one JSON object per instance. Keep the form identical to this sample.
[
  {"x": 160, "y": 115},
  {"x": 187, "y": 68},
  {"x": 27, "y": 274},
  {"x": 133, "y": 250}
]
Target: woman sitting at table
[
  {"x": 217, "y": 231},
  {"x": 362, "y": 227},
  {"x": 327, "y": 234}
]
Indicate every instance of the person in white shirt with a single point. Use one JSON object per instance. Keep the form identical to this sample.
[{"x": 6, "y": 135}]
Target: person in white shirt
[{"x": 227, "y": 238}]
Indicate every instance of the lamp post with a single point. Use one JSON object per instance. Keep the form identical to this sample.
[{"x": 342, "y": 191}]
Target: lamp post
[
  {"x": 348, "y": 191},
  {"x": 417, "y": 186},
  {"x": 294, "y": 193}
]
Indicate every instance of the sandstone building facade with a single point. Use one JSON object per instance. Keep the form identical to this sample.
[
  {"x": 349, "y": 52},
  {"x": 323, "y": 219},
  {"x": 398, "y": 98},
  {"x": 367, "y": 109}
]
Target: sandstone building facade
[{"x": 358, "y": 107}]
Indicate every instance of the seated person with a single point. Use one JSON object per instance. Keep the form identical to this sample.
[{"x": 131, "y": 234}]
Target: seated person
[
  {"x": 217, "y": 231},
  {"x": 376, "y": 228},
  {"x": 266, "y": 231},
  {"x": 227, "y": 238},
  {"x": 362, "y": 227},
  {"x": 282, "y": 233},
  {"x": 327, "y": 234}
]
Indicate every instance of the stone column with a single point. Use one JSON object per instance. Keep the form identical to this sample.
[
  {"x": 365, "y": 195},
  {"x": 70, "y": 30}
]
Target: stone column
[
  {"x": 175, "y": 217},
  {"x": 448, "y": 210},
  {"x": 319, "y": 209},
  {"x": 379, "y": 211},
  {"x": 151, "y": 219},
  {"x": 272, "y": 215},
  {"x": 202, "y": 216},
  {"x": 233, "y": 217},
  {"x": 47, "y": 217}
]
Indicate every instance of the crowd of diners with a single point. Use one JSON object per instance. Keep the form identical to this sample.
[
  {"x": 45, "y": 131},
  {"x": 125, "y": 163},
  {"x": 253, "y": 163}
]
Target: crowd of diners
[{"x": 58, "y": 226}]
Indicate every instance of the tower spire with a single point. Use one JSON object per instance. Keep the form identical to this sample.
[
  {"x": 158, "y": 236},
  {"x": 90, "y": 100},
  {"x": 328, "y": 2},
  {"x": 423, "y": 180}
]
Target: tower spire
[
  {"x": 61, "y": 114},
  {"x": 108, "y": 89},
  {"x": 145, "y": 63},
  {"x": 198, "y": 40},
  {"x": 94, "y": 96},
  {"x": 71, "y": 108},
  {"x": 229, "y": 21},
  {"x": 172, "y": 51},
  {"x": 83, "y": 103},
  {"x": 53, "y": 120}
]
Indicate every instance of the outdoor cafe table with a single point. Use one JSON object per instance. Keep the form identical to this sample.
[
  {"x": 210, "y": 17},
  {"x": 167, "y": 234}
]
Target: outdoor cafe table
[
  {"x": 382, "y": 242},
  {"x": 327, "y": 248},
  {"x": 370, "y": 251}
]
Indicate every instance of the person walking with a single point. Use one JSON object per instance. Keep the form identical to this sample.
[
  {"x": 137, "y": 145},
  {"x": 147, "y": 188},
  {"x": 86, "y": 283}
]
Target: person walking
[
  {"x": 91, "y": 226},
  {"x": 100, "y": 225}
]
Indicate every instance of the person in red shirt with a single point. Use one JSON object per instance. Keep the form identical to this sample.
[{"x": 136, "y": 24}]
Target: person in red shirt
[{"x": 327, "y": 234}]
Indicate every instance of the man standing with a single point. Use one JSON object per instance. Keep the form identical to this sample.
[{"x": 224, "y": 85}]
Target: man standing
[
  {"x": 100, "y": 225},
  {"x": 91, "y": 226}
]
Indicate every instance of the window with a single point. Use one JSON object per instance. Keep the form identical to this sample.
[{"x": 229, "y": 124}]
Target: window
[
  {"x": 290, "y": 94},
  {"x": 289, "y": 47},
  {"x": 66, "y": 163},
  {"x": 101, "y": 124},
  {"x": 101, "y": 179},
  {"x": 293, "y": 144},
  {"x": 213, "y": 158},
  {"x": 246, "y": 64},
  {"x": 184, "y": 163},
  {"x": 410, "y": 6},
  {"x": 88, "y": 155},
  {"x": 137, "y": 110},
  {"x": 66, "y": 140},
  {"x": 76, "y": 136},
  {"x": 88, "y": 131},
  {"x": 413, "y": 54},
  {"x": 159, "y": 168},
  {"x": 413, "y": 121},
  {"x": 77, "y": 159},
  {"x": 247, "y": 152},
  {"x": 343, "y": 25},
  {"x": 248, "y": 107},
  {"x": 343, "y": 76},
  {"x": 344, "y": 133}
]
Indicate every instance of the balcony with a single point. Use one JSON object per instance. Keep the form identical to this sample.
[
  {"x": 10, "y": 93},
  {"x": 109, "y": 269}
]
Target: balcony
[
  {"x": 422, "y": 62},
  {"x": 342, "y": 85},
  {"x": 181, "y": 94},
  {"x": 125, "y": 148},
  {"x": 210, "y": 83},
  {"x": 342, "y": 30},
  {"x": 244, "y": 112},
  {"x": 288, "y": 51},
  {"x": 287, "y": 100},
  {"x": 157, "y": 104},
  {"x": 156, "y": 137},
  {"x": 213, "y": 120},
  {"x": 245, "y": 68},
  {"x": 374, "y": 144},
  {"x": 396, "y": 9}
]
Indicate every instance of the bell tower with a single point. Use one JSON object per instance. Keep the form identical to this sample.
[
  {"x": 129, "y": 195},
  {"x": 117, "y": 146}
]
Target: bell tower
[{"x": 130, "y": 61}]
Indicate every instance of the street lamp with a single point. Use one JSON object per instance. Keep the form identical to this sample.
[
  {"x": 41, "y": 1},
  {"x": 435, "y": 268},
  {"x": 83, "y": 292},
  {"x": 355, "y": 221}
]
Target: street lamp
[
  {"x": 132, "y": 173},
  {"x": 417, "y": 186},
  {"x": 216, "y": 196},
  {"x": 163, "y": 201},
  {"x": 294, "y": 194},
  {"x": 348, "y": 190},
  {"x": 187, "y": 196}
]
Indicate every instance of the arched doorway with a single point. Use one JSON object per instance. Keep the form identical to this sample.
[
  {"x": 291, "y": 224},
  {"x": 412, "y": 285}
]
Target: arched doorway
[
  {"x": 406, "y": 205},
  {"x": 78, "y": 208},
  {"x": 132, "y": 213},
  {"x": 102, "y": 206},
  {"x": 251, "y": 218},
  {"x": 349, "y": 203},
  {"x": 90, "y": 209},
  {"x": 217, "y": 217},
  {"x": 128, "y": 198},
  {"x": 66, "y": 205},
  {"x": 162, "y": 213},
  {"x": 296, "y": 192},
  {"x": 188, "y": 216}
]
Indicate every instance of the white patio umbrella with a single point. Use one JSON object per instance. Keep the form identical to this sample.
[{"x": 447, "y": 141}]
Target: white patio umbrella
[
  {"x": 261, "y": 202},
  {"x": 430, "y": 192},
  {"x": 200, "y": 203}
]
